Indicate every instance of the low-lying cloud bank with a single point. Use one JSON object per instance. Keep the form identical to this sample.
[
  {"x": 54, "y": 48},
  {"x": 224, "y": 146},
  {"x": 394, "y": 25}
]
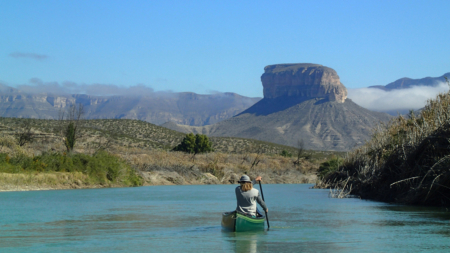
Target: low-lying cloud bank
[
  {"x": 395, "y": 100},
  {"x": 38, "y": 86}
]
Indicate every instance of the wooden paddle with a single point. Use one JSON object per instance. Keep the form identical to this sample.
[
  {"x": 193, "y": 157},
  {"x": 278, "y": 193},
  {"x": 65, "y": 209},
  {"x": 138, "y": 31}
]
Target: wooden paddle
[{"x": 262, "y": 195}]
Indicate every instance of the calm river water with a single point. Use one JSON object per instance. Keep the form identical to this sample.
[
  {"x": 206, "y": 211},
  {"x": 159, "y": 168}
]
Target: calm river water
[{"x": 187, "y": 219}]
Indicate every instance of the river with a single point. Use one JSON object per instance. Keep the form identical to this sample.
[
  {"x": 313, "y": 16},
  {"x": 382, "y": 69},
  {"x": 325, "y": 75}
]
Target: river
[{"x": 187, "y": 219}]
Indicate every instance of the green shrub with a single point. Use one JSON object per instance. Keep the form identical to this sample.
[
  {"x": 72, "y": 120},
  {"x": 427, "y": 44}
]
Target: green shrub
[
  {"x": 187, "y": 144},
  {"x": 329, "y": 166},
  {"x": 285, "y": 153},
  {"x": 102, "y": 167},
  {"x": 4, "y": 158},
  {"x": 70, "y": 136},
  {"x": 6, "y": 166},
  {"x": 194, "y": 144}
]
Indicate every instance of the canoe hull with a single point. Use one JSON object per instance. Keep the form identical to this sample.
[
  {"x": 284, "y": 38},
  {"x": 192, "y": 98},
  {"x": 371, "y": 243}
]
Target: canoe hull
[
  {"x": 229, "y": 220},
  {"x": 238, "y": 222}
]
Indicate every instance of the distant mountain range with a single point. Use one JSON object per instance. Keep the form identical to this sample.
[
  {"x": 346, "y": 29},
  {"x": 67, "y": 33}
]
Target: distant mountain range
[
  {"x": 404, "y": 83},
  {"x": 183, "y": 108}
]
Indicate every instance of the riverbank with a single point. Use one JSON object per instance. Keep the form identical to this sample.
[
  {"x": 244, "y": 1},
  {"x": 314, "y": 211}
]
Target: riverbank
[
  {"x": 406, "y": 161},
  {"x": 124, "y": 167},
  {"x": 68, "y": 180},
  {"x": 44, "y": 181},
  {"x": 122, "y": 153},
  {"x": 159, "y": 167}
]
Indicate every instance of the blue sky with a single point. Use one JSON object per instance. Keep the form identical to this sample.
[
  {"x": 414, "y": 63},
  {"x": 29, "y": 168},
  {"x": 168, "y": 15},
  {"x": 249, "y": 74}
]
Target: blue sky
[{"x": 208, "y": 46}]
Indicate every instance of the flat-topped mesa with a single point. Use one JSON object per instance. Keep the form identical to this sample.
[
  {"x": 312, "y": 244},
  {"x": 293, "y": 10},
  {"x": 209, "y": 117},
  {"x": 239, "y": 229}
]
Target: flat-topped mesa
[{"x": 302, "y": 80}]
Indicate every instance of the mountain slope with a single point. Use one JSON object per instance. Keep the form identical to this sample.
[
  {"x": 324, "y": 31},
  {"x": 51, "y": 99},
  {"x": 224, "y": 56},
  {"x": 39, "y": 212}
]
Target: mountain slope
[{"x": 321, "y": 124}]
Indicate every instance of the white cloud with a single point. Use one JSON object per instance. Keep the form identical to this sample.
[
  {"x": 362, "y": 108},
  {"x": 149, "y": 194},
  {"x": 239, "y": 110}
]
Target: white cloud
[
  {"x": 36, "y": 85},
  {"x": 400, "y": 99}
]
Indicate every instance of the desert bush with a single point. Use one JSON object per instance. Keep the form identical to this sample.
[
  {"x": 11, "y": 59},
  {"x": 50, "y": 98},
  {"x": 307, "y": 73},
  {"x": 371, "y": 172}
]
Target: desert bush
[
  {"x": 70, "y": 136},
  {"x": 285, "y": 153},
  {"x": 194, "y": 144},
  {"x": 102, "y": 168},
  {"x": 329, "y": 166},
  {"x": 4, "y": 158},
  {"x": 70, "y": 123},
  {"x": 5, "y": 165},
  {"x": 214, "y": 169},
  {"x": 7, "y": 141},
  {"x": 25, "y": 136},
  {"x": 187, "y": 144}
]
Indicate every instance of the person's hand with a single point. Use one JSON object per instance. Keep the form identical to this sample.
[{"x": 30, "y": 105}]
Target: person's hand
[
  {"x": 267, "y": 210},
  {"x": 258, "y": 178}
]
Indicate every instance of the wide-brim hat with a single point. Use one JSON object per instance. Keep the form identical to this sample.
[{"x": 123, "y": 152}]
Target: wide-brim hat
[{"x": 244, "y": 179}]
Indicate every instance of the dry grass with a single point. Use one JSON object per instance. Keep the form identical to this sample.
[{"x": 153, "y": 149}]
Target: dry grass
[
  {"x": 226, "y": 168},
  {"x": 101, "y": 134},
  {"x": 146, "y": 147},
  {"x": 406, "y": 161},
  {"x": 43, "y": 181}
]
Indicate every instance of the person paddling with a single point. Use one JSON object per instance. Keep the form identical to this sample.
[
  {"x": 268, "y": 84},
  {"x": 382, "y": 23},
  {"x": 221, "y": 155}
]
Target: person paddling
[{"x": 247, "y": 196}]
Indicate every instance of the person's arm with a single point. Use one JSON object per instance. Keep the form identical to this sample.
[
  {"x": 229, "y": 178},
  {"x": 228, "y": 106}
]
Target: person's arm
[
  {"x": 236, "y": 191},
  {"x": 262, "y": 203},
  {"x": 259, "y": 199}
]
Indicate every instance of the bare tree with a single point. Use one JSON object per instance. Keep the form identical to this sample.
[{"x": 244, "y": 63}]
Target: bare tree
[
  {"x": 245, "y": 154},
  {"x": 71, "y": 123},
  {"x": 26, "y": 136},
  {"x": 258, "y": 157},
  {"x": 300, "y": 151},
  {"x": 102, "y": 144}
]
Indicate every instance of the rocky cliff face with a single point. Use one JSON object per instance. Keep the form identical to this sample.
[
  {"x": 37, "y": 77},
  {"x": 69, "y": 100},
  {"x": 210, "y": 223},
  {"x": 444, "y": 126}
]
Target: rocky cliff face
[
  {"x": 302, "y": 80},
  {"x": 59, "y": 102}
]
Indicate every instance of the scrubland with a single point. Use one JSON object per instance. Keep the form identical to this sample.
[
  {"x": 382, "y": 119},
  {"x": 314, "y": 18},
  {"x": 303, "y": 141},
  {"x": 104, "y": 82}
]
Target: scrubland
[
  {"x": 406, "y": 161},
  {"x": 120, "y": 153}
]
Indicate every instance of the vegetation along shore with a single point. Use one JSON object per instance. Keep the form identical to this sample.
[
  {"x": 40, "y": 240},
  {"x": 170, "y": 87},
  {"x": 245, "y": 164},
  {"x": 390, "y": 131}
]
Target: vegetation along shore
[
  {"x": 406, "y": 161},
  {"x": 35, "y": 154}
]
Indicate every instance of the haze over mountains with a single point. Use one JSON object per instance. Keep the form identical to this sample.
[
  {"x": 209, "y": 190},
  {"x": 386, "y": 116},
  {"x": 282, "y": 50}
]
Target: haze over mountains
[
  {"x": 301, "y": 102},
  {"x": 183, "y": 108}
]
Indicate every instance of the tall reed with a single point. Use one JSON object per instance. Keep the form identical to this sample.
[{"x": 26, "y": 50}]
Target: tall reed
[{"x": 405, "y": 161}]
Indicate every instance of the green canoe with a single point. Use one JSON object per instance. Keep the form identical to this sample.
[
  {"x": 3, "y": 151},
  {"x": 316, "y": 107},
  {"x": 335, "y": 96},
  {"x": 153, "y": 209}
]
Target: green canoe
[{"x": 239, "y": 222}]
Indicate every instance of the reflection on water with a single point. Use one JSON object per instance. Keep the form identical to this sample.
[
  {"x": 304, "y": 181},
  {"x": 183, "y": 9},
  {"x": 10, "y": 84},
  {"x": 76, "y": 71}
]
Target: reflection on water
[
  {"x": 187, "y": 219},
  {"x": 244, "y": 241}
]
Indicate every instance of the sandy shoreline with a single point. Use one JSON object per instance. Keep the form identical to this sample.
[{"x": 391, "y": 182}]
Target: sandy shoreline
[{"x": 66, "y": 180}]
